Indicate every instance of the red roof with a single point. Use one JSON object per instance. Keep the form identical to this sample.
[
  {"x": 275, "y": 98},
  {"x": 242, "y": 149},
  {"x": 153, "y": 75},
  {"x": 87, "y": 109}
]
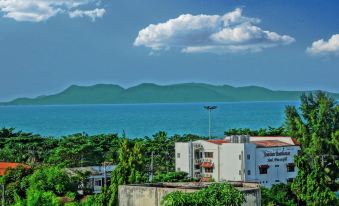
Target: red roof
[
  {"x": 271, "y": 143},
  {"x": 6, "y": 165},
  {"x": 207, "y": 165},
  {"x": 217, "y": 141}
]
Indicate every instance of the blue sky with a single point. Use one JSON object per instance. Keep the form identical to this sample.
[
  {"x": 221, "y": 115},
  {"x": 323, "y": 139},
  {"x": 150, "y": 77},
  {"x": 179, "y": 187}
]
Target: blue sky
[{"x": 45, "y": 47}]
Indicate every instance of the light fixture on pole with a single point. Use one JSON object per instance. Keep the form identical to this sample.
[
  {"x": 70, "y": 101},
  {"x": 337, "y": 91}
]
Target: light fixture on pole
[{"x": 209, "y": 108}]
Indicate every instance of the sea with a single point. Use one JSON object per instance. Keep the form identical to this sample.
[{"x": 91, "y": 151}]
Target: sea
[{"x": 140, "y": 120}]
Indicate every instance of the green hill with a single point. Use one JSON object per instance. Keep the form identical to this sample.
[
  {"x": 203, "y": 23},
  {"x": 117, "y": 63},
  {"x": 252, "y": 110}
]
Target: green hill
[{"x": 152, "y": 93}]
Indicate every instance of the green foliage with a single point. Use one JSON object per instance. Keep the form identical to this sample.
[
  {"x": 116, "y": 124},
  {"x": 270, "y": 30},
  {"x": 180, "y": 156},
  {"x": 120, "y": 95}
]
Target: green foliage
[
  {"x": 52, "y": 179},
  {"x": 316, "y": 128},
  {"x": 270, "y": 131},
  {"x": 279, "y": 194},
  {"x": 217, "y": 194},
  {"x": 16, "y": 183},
  {"x": 129, "y": 169},
  {"x": 41, "y": 198},
  {"x": 172, "y": 177}
]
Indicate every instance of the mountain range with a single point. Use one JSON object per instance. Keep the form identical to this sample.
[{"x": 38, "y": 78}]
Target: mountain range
[{"x": 152, "y": 93}]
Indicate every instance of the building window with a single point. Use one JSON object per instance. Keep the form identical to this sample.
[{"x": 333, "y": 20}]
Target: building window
[
  {"x": 239, "y": 172},
  {"x": 239, "y": 157},
  {"x": 248, "y": 172},
  {"x": 200, "y": 155},
  {"x": 277, "y": 180},
  {"x": 197, "y": 167},
  {"x": 276, "y": 165},
  {"x": 196, "y": 155},
  {"x": 263, "y": 169},
  {"x": 178, "y": 169},
  {"x": 178, "y": 155},
  {"x": 208, "y": 154},
  {"x": 209, "y": 170},
  {"x": 97, "y": 183},
  {"x": 248, "y": 156},
  {"x": 290, "y": 167},
  {"x": 290, "y": 180}
]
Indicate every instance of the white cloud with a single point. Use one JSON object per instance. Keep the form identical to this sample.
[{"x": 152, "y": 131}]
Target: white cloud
[
  {"x": 231, "y": 32},
  {"x": 322, "y": 47},
  {"x": 92, "y": 14},
  {"x": 40, "y": 10}
]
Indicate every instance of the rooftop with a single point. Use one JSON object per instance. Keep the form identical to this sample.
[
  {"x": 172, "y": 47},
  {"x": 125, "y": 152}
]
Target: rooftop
[{"x": 5, "y": 165}]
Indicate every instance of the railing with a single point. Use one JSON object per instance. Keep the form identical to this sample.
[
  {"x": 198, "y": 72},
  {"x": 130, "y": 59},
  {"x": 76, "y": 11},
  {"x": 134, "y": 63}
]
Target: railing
[{"x": 201, "y": 160}]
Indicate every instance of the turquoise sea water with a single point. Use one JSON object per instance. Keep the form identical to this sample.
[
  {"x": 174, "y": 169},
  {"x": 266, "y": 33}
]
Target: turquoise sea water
[{"x": 139, "y": 120}]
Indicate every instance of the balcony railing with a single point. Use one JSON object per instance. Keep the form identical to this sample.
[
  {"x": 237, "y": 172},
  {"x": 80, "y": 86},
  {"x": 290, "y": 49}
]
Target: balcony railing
[{"x": 201, "y": 160}]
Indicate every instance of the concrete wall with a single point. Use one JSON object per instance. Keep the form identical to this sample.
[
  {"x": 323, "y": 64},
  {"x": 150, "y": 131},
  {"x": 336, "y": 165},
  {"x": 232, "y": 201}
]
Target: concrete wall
[
  {"x": 135, "y": 195},
  {"x": 231, "y": 161},
  {"x": 184, "y": 162}
]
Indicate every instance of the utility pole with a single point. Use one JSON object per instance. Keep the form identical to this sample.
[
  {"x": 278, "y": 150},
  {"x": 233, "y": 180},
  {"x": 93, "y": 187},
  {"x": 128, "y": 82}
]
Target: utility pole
[
  {"x": 151, "y": 176},
  {"x": 3, "y": 194},
  {"x": 209, "y": 108}
]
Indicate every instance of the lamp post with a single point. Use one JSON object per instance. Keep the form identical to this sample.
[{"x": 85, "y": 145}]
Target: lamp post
[{"x": 209, "y": 108}]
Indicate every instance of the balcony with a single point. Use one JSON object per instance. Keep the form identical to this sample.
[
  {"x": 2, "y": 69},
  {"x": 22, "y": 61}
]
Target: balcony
[
  {"x": 201, "y": 160},
  {"x": 197, "y": 146}
]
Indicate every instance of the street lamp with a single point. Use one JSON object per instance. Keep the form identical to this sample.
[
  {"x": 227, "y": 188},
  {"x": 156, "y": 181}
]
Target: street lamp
[{"x": 209, "y": 108}]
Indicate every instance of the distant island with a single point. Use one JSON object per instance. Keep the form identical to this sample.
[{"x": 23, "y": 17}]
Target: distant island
[{"x": 152, "y": 93}]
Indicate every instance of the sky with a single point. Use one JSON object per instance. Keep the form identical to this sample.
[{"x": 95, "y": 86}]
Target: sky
[{"x": 48, "y": 45}]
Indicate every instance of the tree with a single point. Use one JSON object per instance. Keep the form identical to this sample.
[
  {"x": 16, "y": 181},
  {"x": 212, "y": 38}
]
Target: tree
[
  {"x": 316, "y": 129},
  {"x": 217, "y": 194},
  {"x": 279, "y": 194},
  {"x": 129, "y": 169}
]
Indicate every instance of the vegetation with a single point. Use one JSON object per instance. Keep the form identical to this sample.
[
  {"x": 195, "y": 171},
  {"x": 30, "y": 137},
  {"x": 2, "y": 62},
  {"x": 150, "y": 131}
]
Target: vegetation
[
  {"x": 317, "y": 130},
  {"x": 315, "y": 125},
  {"x": 279, "y": 194},
  {"x": 222, "y": 194},
  {"x": 152, "y": 93}
]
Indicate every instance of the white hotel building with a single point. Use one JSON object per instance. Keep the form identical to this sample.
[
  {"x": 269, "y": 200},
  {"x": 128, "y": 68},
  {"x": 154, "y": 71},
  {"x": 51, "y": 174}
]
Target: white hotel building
[{"x": 266, "y": 160}]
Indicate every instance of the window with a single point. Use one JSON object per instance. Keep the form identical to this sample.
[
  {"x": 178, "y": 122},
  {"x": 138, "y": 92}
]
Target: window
[
  {"x": 248, "y": 156},
  {"x": 248, "y": 172},
  {"x": 178, "y": 169},
  {"x": 97, "y": 183},
  {"x": 209, "y": 170},
  {"x": 290, "y": 167},
  {"x": 197, "y": 167},
  {"x": 290, "y": 180},
  {"x": 196, "y": 155},
  {"x": 276, "y": 165},
  {"x": 263, "y": 169},
  {"x": 277, "y": 180},
  {"x": 178, "y": 155},
  {"x": 200, "y": 155},
  {"x": 239, "y": 157},
  {"x": 239, "y": 172},
  {"x": 208, "y": 154}
]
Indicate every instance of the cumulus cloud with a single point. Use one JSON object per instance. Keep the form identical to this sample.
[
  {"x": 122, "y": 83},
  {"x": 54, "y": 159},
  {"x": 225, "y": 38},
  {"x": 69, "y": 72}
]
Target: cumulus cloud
[
  {"x": 231, "y": 32},
  {"x": 322, "y": 47},
  {"x": 92, "y": 14},
  {"x": 40, "y": 10}
]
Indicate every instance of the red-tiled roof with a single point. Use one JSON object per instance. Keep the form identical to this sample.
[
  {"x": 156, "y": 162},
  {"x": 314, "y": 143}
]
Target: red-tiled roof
[
  {"x": 217, "y": 141},
  {"x": 271, "y": 143},
  {"x": 6, "y": 165},
  {"x": 207, "y": 165},
  {"x": 295, "y": 141}
]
